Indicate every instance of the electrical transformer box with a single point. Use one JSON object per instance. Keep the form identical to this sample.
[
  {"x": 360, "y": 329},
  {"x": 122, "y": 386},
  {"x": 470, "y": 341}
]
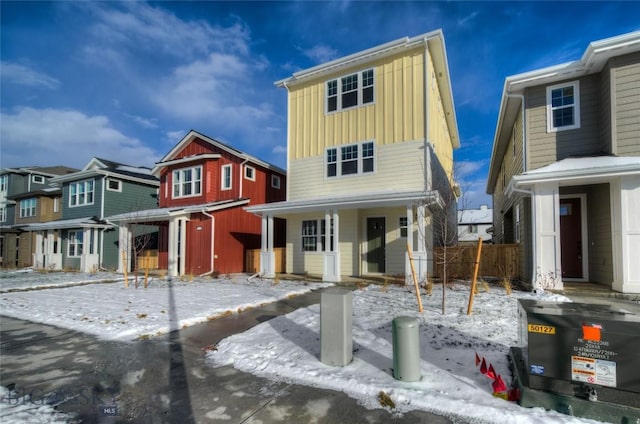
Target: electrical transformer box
[{"x": 580, "y": 349}]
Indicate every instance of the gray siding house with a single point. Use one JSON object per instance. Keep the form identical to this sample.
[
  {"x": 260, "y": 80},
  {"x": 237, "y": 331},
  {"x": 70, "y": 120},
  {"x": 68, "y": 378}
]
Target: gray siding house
[
  {"x": 83, "y": 239},
  {"x": 25, "y": 193},
  {"x": 565, "y": 168}
]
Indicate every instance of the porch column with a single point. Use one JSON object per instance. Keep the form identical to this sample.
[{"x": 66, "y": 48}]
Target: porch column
[
  {"x": 172, "y": 248},
  {"x": 267, "y": 255},
  {"x": 331, "y": 269},
  {"x": 182, "y": 224},
  {"x": 419, "y": 252},
  {"x": 547, "y": 268},
  {"x": 625, "y": 225},
  {"x": 53, "y": 258},
  {"x": 124, "y": 252},
  {"x": 38, "y": 256}
]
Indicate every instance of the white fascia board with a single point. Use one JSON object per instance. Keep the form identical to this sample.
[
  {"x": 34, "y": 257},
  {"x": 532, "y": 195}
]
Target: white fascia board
[
  {"x": 576, "y": 174},
  {"x": 159, "y": 165},
  {"x": 83, "y": 175},
  {"x": 363, "y": 56},
  {"x": 353, "y": 202}
]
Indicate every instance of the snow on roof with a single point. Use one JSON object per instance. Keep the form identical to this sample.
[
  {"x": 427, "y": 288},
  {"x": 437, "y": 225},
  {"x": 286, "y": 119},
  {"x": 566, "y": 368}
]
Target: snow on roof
[{"x": 484, "y": 215}]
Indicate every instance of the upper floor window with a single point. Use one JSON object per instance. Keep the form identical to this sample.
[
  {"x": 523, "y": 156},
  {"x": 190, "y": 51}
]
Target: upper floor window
[
  {"x": 81, "y": 193},
  {"x": 114, "y": 185},
  {"x": 38, "y": 179},
  {"x": 275, "y": 181},
  {"x": 226, "y": 177},
  {"x": 353, "y": 159},
  {"x": 350, "y": 91},
  {"x": 56, "y": 204},
  {"x": 3, "y": 213},
  {"x": 249, "y": 173},
  {"x": 187, "y": 182},
  {"x": 27, "y": 208},
  {"x": 563, "y": 107},
  {"x": 4, "y": 180}
]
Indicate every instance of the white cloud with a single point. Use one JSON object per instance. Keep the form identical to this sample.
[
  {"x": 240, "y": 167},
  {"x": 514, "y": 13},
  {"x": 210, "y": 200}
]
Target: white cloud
[
  {"x": 23, "y": 75},
  {"x": 143, "y": 122},
  {"x": 66, "y": 137},
  {"x": 320, "y": 53},
  {"x": 279, "y": 149}
]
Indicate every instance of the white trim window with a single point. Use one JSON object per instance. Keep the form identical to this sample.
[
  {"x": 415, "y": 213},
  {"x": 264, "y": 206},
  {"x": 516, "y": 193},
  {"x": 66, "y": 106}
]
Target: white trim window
[
  {"x": 403, "y": 223},
  {"x": 187, "y": 182},
  {"x": 81, "y": 193},
  {"x": 75, "y": 243},
  {"x": 4, "y": 183},
  {"x": 275, "y": 181},
  {"x": 56, "y": 204},
  {"x": 28, "y": 208},
  {"x": 227, "y": 177},
  {"x": 3, "y": 217},
  {"x": 38, "y": 179},
  {"x": 350, "y": 91},
  {"x": 249, "y": 173},
  {"x": 312, "y": 241},
  {"x": 114, "y": 185},
  {"x": 353, "y": 159},
  {"x": 563, "y": 107}
]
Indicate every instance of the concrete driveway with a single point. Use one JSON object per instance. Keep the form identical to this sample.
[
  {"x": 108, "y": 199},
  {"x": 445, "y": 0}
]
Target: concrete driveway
[{"x": 165, "y": 379}]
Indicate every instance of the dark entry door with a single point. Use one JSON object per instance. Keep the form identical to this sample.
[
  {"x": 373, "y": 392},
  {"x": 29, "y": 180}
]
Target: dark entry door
[
  {"x": 375, "y": 245},
  {"x": 571, "y": 238}
]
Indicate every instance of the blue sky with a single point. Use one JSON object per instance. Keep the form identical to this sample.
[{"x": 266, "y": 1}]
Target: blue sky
[{"x": 126, "y": 81}]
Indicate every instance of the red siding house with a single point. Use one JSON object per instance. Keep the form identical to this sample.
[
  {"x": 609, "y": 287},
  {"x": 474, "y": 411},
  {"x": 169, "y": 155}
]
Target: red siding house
[{"x": 204, "y": 187}]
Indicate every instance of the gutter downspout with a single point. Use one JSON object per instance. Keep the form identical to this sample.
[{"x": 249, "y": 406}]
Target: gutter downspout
[
  {"x": 241, "y": 177},
  {"x": 213, "y": 232},
  {"x": 100, "y": 264}
]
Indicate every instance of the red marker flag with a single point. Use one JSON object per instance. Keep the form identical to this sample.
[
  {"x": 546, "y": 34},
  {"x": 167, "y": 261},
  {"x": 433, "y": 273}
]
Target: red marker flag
[
  {"x": 477, "y": 359},
  {"x": 491, "y": 373},
  {"x": 498, "y": 385},
  {"x": 483, "y": 367}
]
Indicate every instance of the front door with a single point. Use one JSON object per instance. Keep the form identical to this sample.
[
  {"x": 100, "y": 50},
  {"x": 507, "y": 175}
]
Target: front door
[
  {"x": 375, "y": 245},
  {"x": 571, "y": 237}
]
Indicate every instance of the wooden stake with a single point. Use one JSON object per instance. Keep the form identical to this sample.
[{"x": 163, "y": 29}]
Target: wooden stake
[
  {"x": 475, "y": 277},
  {"x": 124, "y": 267},
  {"x": 415, "y": 279}
]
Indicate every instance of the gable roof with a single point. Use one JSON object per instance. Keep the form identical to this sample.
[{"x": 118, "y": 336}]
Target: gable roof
[
  {"x": 98, "y": 166},
  {"x": 47, "y": 171},
  {"x": 433, "y": 40},
  {"x": 592, "y": 61},
  {"x": 192, "y": 135},
  {"x": 475, "y": 216}
]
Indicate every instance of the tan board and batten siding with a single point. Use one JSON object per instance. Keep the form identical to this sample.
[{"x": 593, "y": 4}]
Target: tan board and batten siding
[
  {"x": 395, "y": 117},
  {"x": 626, "y": 73}
]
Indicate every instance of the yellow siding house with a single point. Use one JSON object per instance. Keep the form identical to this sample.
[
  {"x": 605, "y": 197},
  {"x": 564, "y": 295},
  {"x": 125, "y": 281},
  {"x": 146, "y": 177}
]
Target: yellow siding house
[{"x": 370, "y": 161}]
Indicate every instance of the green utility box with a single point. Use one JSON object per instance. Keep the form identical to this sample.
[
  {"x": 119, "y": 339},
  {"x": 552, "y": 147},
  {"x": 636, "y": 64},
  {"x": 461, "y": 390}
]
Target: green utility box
[
  {"x": 406, "y": 349},
  {"x": 590, "y": 351},
  {"x": 336, "y": 341}
]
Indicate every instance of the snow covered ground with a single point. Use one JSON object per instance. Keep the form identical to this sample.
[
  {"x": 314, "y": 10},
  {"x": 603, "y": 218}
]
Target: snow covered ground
[
  {"x": 27, "y": 279},
  {"x": 288, "y": 347}
]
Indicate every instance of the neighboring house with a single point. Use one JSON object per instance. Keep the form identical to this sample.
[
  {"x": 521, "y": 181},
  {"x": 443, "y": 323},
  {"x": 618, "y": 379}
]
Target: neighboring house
[
  {"x": 370, "y": 136},
  {"x": 82, "y": 239},
  {"x": 204, "y": 185},
  {"x": 565, "y": 168},
  {"x": 26, "y": 195},
  {"x": 474, "y": 224}
]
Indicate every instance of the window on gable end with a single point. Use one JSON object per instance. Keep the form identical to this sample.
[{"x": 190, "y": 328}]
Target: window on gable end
[
  {"x": 275, "y": 181},
  {"x": 350, "y": 91},
  {"x": 249, "y": 173},
  {"x": 226, "y": 177},
  {"x": 332, "y": 95}
]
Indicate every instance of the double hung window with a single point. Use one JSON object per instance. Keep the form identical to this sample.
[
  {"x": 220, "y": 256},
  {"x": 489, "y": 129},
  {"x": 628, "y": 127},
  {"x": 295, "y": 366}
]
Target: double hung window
[
  {"x": 27, "y": 208},
  {"x": 563, "y": 107},
  {"x": 81, "y": 193},
  {"x": 75, "y": 243},
  {"x": 350, "y": 160},
  {"x": 350, "y": 91},
  {"x": 312, "y": 240},
  {"x": 187, "y": 182}
]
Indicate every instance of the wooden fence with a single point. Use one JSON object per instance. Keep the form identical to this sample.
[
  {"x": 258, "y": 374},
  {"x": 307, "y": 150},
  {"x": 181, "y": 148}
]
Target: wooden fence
[
  {"x": 148, "y": 259},
  {"x": 252, "y": 260},
  {"x": 496, "y": 260}
]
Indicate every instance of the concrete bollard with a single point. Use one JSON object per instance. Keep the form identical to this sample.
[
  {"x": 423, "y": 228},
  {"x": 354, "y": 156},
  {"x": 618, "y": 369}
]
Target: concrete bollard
[
  {"x": 406, "y": 349},
  {"x": 336, "y": 342}
]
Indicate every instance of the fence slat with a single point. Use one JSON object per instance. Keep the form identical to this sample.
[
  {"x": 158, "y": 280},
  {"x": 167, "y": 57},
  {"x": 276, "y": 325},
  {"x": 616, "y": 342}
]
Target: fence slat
[{"x": 496, "y": 260}]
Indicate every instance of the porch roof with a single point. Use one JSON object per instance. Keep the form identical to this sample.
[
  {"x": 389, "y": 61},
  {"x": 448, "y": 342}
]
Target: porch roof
[
  {"x": 365, "y": 200},
  {"x": 87, "y": 222},
  {"x": 166, "y": 214},
  {"x": 573, "y": 171}
]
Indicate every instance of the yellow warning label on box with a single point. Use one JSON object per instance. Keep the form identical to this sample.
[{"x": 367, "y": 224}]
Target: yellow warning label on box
[{"x": 544, "y": 329}]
